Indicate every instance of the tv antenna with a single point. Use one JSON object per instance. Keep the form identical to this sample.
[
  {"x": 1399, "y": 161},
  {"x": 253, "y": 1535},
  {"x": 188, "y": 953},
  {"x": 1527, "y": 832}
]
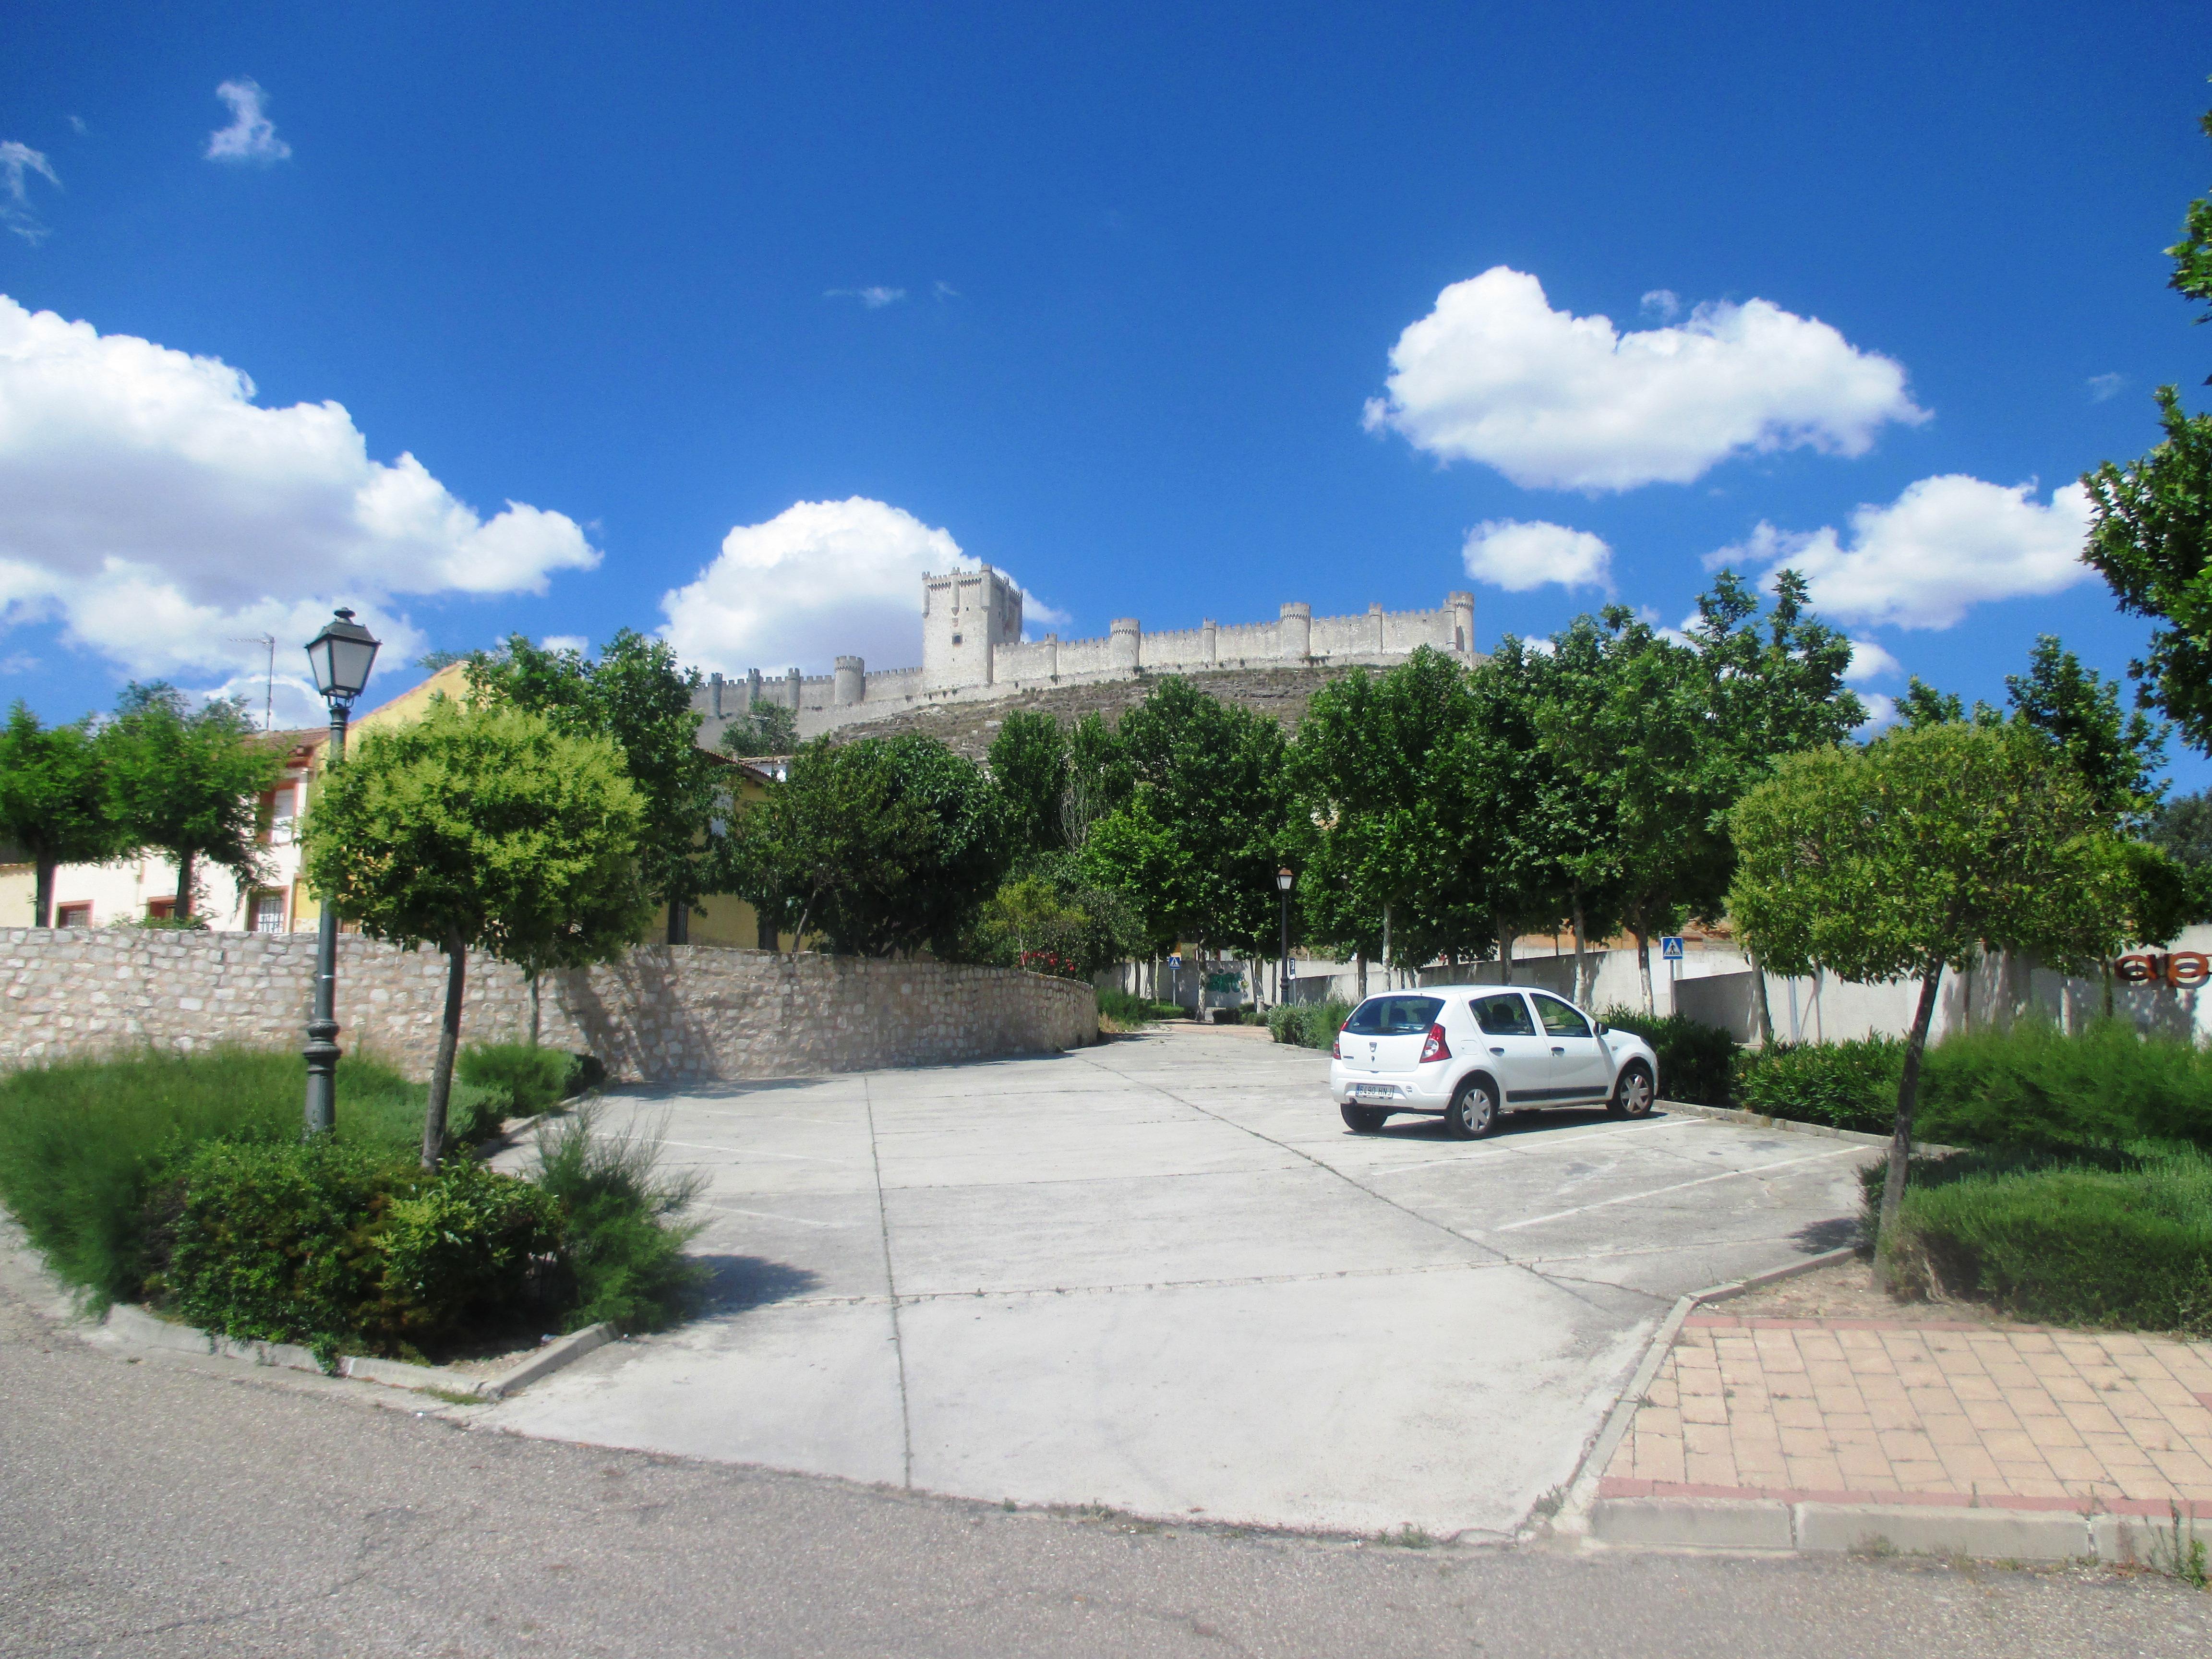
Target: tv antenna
[{"x": 269, "y": 685}]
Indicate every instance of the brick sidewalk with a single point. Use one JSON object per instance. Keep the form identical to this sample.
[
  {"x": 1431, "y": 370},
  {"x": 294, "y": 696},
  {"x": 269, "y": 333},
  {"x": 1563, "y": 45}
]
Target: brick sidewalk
[{"x": 1862, "y": 1411}]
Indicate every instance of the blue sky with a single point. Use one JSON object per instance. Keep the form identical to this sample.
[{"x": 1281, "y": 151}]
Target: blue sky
[{"x": 1100, "y": 294}]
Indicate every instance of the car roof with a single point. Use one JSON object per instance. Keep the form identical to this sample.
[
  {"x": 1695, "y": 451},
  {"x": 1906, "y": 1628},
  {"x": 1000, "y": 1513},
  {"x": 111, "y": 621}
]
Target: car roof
[{"x": 1461, "y": 991}]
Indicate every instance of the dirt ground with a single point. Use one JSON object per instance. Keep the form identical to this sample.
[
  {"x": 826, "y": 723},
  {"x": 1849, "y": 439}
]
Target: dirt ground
[{"x": 1847, "y": 1290}]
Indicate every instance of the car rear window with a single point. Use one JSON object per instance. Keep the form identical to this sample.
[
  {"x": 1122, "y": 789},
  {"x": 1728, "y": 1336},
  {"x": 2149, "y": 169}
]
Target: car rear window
[
  {"x": 1395, "y": 1016},
  {"x": 1503, "y": 1015}
]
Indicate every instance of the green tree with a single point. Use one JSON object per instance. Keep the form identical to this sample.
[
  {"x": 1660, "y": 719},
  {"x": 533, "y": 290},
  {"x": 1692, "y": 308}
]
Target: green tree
[
  {"x": 2182, "y": 830},
  {"x": 1915, "y": 854},
  {"x": 1379, "y": 814},
  {"x": 1048, "y": 917},
  {"x": 1195, "y": 846},
  {"x": 766, "y": 728},
  {"x": 1029, "y": 764},
  {"x": 636, "y": 696},
  {"x": 2150, "y": 534},
  {"x": 1099, "y": 778},
  {"x": 1922, "y": 706},
  {"x": 482, "y": 827},
  {"x": 883, "y": 845},
  {"x": 189, "y": 783},
  {"x": 54, "y": 800},
  {"x": 2120, "y": 757}
]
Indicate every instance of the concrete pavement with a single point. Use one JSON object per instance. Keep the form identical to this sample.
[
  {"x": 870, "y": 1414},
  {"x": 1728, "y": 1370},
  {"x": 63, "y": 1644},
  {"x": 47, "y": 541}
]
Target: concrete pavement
[{"x": 1160, "y": 1275}]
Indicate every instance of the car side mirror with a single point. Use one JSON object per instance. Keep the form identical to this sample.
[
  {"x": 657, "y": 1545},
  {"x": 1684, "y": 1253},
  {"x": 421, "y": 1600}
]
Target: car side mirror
[{"x": 1601, "y": 1028}]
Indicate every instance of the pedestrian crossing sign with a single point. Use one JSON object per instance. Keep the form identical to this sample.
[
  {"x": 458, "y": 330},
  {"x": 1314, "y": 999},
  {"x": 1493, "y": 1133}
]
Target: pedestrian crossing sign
[{"x": 1670, "y": 948}]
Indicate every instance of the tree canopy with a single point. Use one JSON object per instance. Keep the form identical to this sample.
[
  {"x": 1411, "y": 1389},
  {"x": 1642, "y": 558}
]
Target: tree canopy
[
  {"x": 54, "y": 800},
  {"x": 482, "y": 827},
  {"x": 189, "y": 782},
  {"x": 636, "y": 696},
  {"x": 885, "y": 845},
  {"x": 1029, "y": 764}
]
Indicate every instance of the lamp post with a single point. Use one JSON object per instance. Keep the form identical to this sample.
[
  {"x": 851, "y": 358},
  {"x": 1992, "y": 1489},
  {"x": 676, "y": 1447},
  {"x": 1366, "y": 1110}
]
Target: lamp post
[
  {"x": 341, "y": 656},
  {"x": 1284, "y": 881}
]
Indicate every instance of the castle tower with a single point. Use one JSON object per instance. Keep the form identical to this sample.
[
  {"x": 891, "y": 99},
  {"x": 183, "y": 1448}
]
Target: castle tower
[
  {"x": 965, "y": 616},
  {"x": 1463, "y": 611}
]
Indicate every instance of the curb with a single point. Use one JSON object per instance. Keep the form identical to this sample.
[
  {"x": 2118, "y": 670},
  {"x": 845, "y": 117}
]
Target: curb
[
  {"x": 1798, "y": 1126},
  {"x": 1823, "y": 1528},
  {"x": 1578, "y": 1515}
]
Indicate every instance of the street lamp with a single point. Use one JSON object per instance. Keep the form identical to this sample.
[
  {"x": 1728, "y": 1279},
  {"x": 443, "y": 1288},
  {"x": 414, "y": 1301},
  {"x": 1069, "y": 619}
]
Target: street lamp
[
  {"x": 1284, "y": 880},
  {"x": 341, "y": 656}
]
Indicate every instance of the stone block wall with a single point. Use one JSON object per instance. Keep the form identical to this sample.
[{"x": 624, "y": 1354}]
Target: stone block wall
[{"x": 663, "y": 1014}]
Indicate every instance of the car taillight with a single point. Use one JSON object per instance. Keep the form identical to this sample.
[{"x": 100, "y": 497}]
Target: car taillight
[
  {"x": 1336, "y": 1049},
  {"x": 1436, "y": 1047}
]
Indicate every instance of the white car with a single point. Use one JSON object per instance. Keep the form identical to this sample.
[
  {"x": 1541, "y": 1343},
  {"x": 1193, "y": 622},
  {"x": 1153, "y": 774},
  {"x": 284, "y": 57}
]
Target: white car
[{"x": 1467, "y": 1052}]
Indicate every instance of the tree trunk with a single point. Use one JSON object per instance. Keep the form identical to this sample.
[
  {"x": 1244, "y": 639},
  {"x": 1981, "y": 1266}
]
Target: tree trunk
[
  {"x": 679, "y": 922},
  {"x": 1505, "y": 952},
  {"x": 1582, "y": 958},
  {"x": 184, "y": 910},
  {"x": 449, "y": 1039},
  {"x": 1360, "y": 982},
  {"x": 1644, "y": 967},
  {"x": 533, "y": 1007},
  {"x": 1900, "y": 1139},
  {"x": 1386, "y": 947},
  {"x": 1762, "y": 1016},
  {"x": 42, "y": 902}
]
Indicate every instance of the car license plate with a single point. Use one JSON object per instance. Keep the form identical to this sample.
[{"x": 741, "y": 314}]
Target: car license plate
[{"x": 1374, "y": 1091}]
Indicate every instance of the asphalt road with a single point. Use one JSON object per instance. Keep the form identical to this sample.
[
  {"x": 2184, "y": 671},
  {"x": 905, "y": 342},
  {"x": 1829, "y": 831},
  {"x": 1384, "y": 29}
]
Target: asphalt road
[{"x": 184, "y": 1507}]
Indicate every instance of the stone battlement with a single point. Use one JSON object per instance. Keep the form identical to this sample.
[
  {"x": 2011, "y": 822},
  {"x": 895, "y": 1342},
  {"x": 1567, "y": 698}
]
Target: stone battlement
[{"x": 973, "y": 650}]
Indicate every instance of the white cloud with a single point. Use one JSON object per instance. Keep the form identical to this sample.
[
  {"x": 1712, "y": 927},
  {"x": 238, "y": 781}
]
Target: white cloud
[
  {"x": 251, "y": 136},
  {"x": 575, "y": 642},
  {"x": 875, "y": 299},
  {"x": 1881, "y": 711},
  {"x": 1516, "y": 556},
  {"x": 1944, "y": 545},
  {"x": 1870, "y": 662},
  {"x": 1662, "y": 303},
  {"x": 17, "y": 163},
  {"x": 820, "y": 580},
  {"x": 1559, "y": 402},
  {"x": 2104, "y": 387},
  {"x": 945, "y": 290},
  {"x": 154, "y": 510}
]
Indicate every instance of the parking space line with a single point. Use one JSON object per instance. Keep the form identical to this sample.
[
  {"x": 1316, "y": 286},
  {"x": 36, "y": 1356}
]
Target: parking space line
[
  {"x": 1507, "y": 1148},
  {"x": 1631, "y": 1198}
]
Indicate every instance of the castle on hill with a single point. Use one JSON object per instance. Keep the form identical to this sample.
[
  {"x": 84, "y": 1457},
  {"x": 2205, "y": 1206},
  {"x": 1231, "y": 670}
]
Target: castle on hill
[{"x": 972, "y": 650}]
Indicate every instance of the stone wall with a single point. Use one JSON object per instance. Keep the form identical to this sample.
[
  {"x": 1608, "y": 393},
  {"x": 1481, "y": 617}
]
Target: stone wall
[{"x": 664, "y": 1013}]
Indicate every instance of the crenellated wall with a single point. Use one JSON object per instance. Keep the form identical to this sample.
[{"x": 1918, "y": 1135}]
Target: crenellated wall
[{"x": 972, "y": 652}]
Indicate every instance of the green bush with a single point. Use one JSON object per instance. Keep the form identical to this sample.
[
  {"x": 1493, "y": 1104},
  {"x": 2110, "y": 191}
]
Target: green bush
[
  {"x": 517, "y": 1080},
  {"x": 1697, "y": 1061},
  {"x": 1308, "y": 1024},
  {"x": 625, "y": 1245},
  {"x": 334, "y": 1245},
  {"x": 2028, "y": 1087},
  {"x": 82, "y": 1142},
  {"x": 1846, "y": 1086},
  {"x": 2128, "y": 1245}
]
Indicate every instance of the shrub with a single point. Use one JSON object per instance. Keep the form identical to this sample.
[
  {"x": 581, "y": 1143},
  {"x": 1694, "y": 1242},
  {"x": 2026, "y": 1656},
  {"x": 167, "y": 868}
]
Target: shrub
[
  {"x": 1697, "y": 1061},
  {"x": 1847, "y": 1085},
  {"x": 1130, "y": 1012},
  {"x": 329, "y": 1244},
  {"x": 2070, "y": 1244},
  {"x": 625, "y": 1246},
  {"x": 517, "y": 1078},
  {"x": 2032, "y": 1087},
  {"x": 82, "y": 1142},
  {"x": 1308, "y": 1024}
]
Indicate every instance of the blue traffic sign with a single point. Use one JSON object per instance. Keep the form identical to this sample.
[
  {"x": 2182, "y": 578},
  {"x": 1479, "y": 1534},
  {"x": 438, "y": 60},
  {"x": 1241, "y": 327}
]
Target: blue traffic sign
[{"x": 1670, "y": 948}]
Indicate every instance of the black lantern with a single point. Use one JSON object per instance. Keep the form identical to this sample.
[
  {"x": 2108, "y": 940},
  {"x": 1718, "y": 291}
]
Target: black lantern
[{"x": 342, "y": 655}]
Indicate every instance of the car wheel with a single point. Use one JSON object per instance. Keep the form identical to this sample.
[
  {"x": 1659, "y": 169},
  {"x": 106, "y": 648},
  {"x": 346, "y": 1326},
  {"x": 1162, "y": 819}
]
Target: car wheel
[
  {"x": 1473, "y": 1111},
  {"x": 1632, "y": 1093},
  {"x": 1363, "y": 1120}
]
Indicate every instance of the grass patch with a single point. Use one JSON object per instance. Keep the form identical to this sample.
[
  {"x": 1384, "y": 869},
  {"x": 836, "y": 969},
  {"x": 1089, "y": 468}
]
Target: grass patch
[
  {"x": 82, "y": 1143},
  {"x": 625, "y": 1253},
  {"x": 1308, "y": 1024},
  {"x": 1130, "y": 1013},
  {"x": 2123, "y": 1240},
  {"x": 1697, "y": 1061}
]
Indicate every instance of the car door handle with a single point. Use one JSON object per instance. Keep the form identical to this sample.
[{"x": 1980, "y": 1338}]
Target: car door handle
[
  {"x": 1497, "y": 1051},
  {"x": 1559, "y": 1051}
]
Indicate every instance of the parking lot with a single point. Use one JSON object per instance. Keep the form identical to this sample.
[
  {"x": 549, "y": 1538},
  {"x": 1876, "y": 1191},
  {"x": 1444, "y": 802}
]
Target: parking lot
[{"x": 1160, "y": 1275}]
